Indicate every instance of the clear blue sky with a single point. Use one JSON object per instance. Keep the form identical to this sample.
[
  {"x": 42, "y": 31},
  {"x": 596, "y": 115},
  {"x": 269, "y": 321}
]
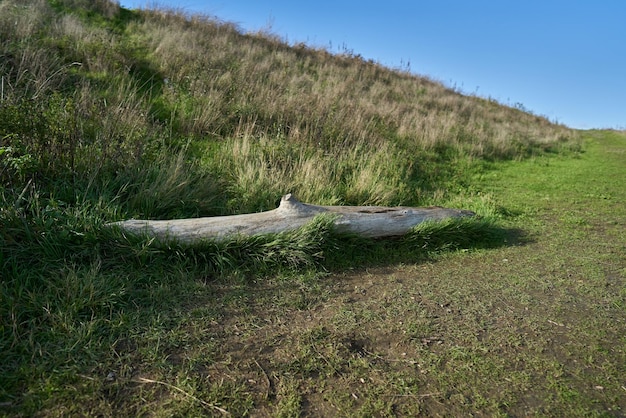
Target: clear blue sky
[{"x": 562, "y": 59}]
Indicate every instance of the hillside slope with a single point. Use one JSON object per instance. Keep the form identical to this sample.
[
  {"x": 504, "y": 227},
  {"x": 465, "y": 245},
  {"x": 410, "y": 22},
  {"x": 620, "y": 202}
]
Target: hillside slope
[{"x": 92, "y": 90}]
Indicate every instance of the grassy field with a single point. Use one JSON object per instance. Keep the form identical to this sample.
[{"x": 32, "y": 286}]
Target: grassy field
[
  {"x": 533, "y": 327},
  {"x": 109, "y": 114},
  {"x": 528, "y": 319}
]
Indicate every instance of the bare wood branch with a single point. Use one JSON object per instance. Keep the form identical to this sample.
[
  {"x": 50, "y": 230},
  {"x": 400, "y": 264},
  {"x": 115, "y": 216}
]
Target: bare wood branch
[
  {"x": 367, "y": 221},
  {"x": 204, "y": 403}
]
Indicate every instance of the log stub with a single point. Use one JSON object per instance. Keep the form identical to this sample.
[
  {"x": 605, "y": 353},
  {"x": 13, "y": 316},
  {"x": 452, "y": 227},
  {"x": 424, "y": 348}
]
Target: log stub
[{"x": 367, "y": 221}]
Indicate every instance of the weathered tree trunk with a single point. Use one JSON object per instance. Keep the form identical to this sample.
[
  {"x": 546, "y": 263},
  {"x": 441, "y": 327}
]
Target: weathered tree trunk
[{"x": 367, "y": 221}]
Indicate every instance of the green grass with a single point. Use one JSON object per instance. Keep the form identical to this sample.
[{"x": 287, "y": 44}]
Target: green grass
[
  {"x": 110, "y": 114},
  {"x": 525, "y": 318}
]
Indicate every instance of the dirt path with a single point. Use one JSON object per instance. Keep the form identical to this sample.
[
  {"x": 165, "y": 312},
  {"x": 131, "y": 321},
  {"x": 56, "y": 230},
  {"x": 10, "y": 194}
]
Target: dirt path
[{"x": 533, "y": 327}]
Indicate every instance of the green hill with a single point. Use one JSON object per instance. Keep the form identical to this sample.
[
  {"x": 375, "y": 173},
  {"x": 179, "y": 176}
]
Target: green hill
[{"x": 94, "y": 93}]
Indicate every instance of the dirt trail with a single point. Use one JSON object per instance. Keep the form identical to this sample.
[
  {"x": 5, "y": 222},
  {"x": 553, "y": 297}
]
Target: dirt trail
[{"x": 533, "y": 327}]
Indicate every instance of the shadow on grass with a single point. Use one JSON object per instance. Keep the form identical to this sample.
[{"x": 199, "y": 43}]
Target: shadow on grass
[
  {"x": 100, "y": 287},
  {"x": 424, "y": 242}
]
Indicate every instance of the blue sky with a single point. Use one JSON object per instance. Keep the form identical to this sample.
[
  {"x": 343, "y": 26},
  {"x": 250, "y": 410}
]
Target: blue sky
[{"x": 562, "y": 59}]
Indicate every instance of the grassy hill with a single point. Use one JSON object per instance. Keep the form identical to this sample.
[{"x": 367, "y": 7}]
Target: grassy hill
[
  {"x": 108, "y": 114},
  {"x": 112, "y": 94}
]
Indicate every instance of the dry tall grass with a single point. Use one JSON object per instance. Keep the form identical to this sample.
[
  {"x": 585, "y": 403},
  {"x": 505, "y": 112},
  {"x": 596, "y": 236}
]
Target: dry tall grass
[
  {"x": 311, "y": 95},
  {"x": 260, "y": 169}
]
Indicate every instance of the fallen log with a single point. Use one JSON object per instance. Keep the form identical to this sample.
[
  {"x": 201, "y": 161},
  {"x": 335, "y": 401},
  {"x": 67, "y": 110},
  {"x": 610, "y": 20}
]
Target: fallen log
[{"x": 366, "y": 221}]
